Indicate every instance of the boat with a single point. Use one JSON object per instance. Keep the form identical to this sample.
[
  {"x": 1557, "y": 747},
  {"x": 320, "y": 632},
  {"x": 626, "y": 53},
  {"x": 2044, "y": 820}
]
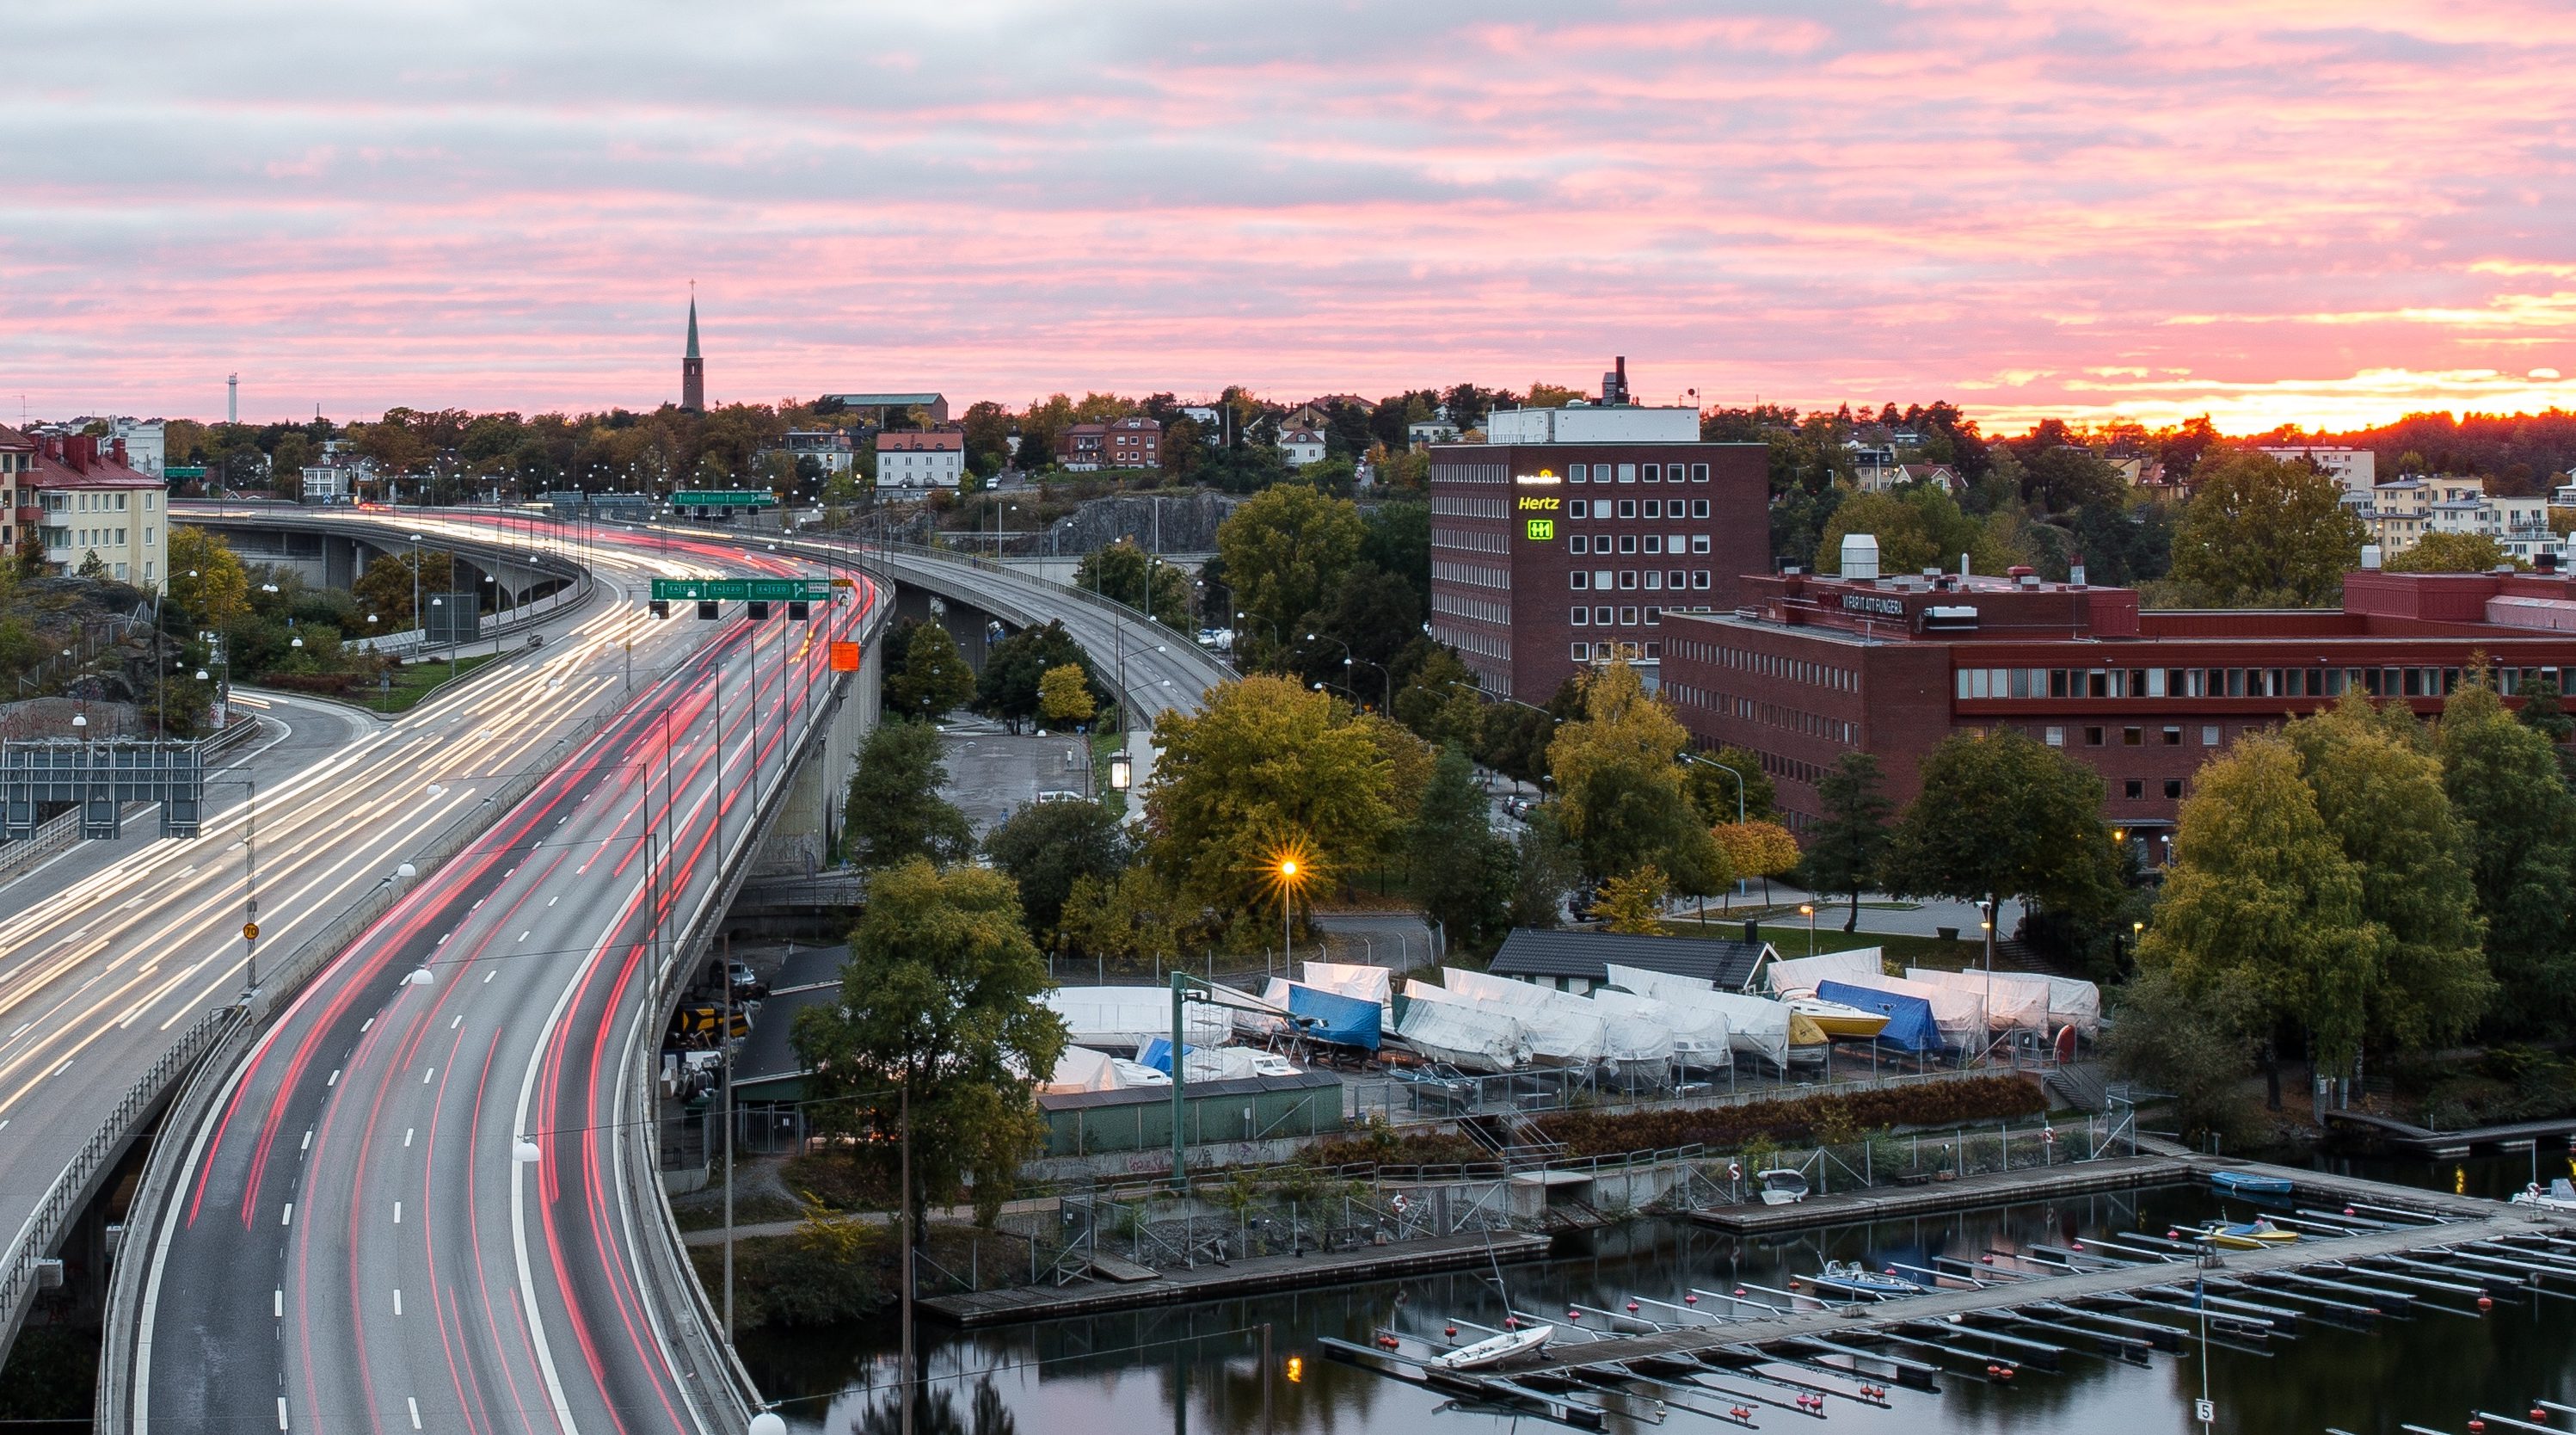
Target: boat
[
  {"x": 1782, "y": 1186},
  {"x": 1853, "y": 1278},
  {"x": 2247, "y": 1236},
  {"x": 2561, "y": 1195},
  {"x": 2245, "y": 1183},
  {"x": 1495, "y": 1349},
  {"x": 1837, "y": 1019}
]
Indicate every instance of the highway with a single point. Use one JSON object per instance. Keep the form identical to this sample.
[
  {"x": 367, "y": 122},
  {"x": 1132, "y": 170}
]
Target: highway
[{"x": 359, "y": 1239}]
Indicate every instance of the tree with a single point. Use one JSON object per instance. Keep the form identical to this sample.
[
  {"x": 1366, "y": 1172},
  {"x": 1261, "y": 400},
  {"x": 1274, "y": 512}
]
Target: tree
[
  {"x": 2520, "y": 825},
  {"x": 2260, "y": 532},
  {"x": 934, "y": 677},
  {"x": 2193, "y": 1042},
  {"x": 1125, "y": 573},
  {"x": 2544, "y": 713},
  {"x": 1064, "y": 694},
  {"x": 2001, "y": 816},
  {"x": 1440, "y": 702},
  {"x": 1757, "y": 849},
  {"x": 895, "y": 812},
  {"x": 1372, "y": 617},
  {"x": 940, "y": 1013},
  {"x": 208, "y": 585},
  {"x": 2067, "y": 477},
  {"x": 1462, "y": 871},
  {"x": 1285, "y": 550},
  {"x": 1713, "y": 788},
  {"x": 2261, "y": 905},
  {"x": 1264, "y": 767},
  {"x": 1046, "y": 847},
  {"x": 2382, "y": 799},
  {"x": 2449, "y": 553},
  {"x": 1008, "y": 688},
  {"x": 1398, "y": 542},
  {"x": 1917, "y": 527},
  {"x": 386, "y": 586},
  {"x": 1544, "y": 870},
  {"x": 1622, "y": 796},
  {"x": 1632, "y": 903},
  {"x": 1846, "y": 848}
]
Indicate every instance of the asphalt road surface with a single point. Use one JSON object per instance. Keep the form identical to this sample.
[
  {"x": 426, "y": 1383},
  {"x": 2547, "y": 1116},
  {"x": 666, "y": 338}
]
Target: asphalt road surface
[{"x": 357, "y": 1243}]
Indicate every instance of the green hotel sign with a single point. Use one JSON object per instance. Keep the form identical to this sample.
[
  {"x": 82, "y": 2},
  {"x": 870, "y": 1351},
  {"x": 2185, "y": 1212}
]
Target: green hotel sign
[
  {"x": 736, "y": 590},
  {"x": 725, "y": 498}
]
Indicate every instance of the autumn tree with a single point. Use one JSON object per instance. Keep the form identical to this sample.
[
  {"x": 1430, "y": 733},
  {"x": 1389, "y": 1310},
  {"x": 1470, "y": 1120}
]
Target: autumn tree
[
  {"x": 1632, "y": 903},
  {"x": 1125, "y": 573},
  {"x": 1757, "y": 849},
  {"x": 1440, "y": 701},
  {"x": 1285, "y": 550},
  {"x": 1999, "y": 815},
  {"x": 2260, "y": 532},
  {"x": 2520, "y": 824},
  {"x": 1008, "y": 688},
  {"x": 940, "y": 1025},
  {"x": 209, "y": 588},
  {"x": 385, "y": 587},
  {"x": 1064, "y": 694},
  {"x": 1622, "y": 795},
  {"x": 1847, "y": 847},
  {"x": 1714, "y": 789}
]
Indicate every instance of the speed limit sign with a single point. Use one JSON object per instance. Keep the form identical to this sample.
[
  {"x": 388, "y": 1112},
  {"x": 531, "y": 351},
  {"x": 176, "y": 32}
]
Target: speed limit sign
[{"x": 250, "y": 931}]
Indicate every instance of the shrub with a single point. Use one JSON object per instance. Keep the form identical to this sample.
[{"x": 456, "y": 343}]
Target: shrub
[{"x": 1985, "y": 1098}]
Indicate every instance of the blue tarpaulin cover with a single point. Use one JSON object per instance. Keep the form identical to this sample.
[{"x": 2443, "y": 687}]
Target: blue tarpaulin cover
[
  {"x": 1330, "y": 1016},
  {"x": 1157, "y": 1053},
  {"x": 1909, "y": 1018}
]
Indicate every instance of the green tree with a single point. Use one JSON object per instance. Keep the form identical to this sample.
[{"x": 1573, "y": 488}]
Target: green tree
[
  {"x": 1544, "y": 870},
  {"x": 1917, "y": 527},
  {"x": 940, "y": 1022},
  {"x": 2383, "y": 800},
  {"x": 1847, "y": 849},
  {"x": 1623, "y": 798},
  {"x": 208, "y": 585},
  {"x": 1046, "y": 847},
  {"x": 1285, "y": 550},
  {"x": 385, "y": 587},
  {"x": 1713, "y": 789},
  {"x": 1440, "y": 702},
  {"x": 1125, "y": 573},
  {"x": 1064, "y": 694},
  {"x": 1265, "y": 766},
  {"x": 1008, "y": 688},
  {"x": 1462, "y": 871},
  {"x": 2520, "y": 823},
  {"x": 895, "y": 812},
  {"x": 2260, "y": 904},
  {"x": 2067, "y": 477},
  {"x": 2260, "y": 532},
  {"x": 2543, "y": 710},
  {"x": 2449, "y": 553},
  {"x": 2195, "y": 1042},
  {"x": 1999, "y": 815},
  {"x": 1399, "y": 544},
  {"x": 934, "y": 678}
]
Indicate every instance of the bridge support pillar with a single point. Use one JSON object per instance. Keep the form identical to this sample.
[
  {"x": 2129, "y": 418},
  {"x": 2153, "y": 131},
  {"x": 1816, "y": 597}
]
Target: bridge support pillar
[{"x": 809, "y": 824}]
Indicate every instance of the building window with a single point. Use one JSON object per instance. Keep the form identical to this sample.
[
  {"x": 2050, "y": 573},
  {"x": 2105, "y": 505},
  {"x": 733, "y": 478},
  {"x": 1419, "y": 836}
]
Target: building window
[
  {"x": 1579, "y": 544},
  {"x": 2209, "y": 735},
  {"x": 1574, "y": 473},
  {"x": 1627, "y": 543},
  {"x": 1582, "y": 652},
  {"x": 1656, "y": 650},
  {"x": 1601, "y": 578},
  {"x": 2173, "y": 737},
  {"x": 1655, "y": 579},
  {"x": 1699, "y": 473},
  {"x": 1677, "y": 579},
  {"x": 1699, "y": 508},
  {"x": 1628, "y": 617},
  {"x": 2173, "y": 788},
  {"x": 1601, "y": 617},
  {"x": 1654, "y": 506},
  {"x": 1627, "y": 508},
  {"x": 1576, "y": 507},
  {"x": 1627, "y": 578},
  {"x": 2133, "y": 788},
  {"x": 1627, "y": 474},
  {"x": 1654, "y": 543},
  {"x": 1654, "y": 473},
  {"x": 2092, "y": 737},
  {"x": 1699, "y": 577},
  {"x": 1654, "y": 616},
  {"x": 1581, "y": 579},
  {"x": 1581, "y": 616},
  {"x": 2055, "y": 737},
  {"x": 2133, "y": 737}
]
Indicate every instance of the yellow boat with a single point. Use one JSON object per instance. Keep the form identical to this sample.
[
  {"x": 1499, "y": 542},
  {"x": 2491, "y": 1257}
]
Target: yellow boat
[
  {"x": 2253, "y": 1236},
  {"x": 1837, "y": 1020}
]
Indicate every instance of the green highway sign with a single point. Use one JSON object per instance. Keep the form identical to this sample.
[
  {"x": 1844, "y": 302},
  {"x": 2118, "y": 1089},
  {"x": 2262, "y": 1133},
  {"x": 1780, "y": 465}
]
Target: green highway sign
[
  {"x": 735, "y": 590},
  {"x": 184, "y": 471},
  {"x": 726, "y": 498}
]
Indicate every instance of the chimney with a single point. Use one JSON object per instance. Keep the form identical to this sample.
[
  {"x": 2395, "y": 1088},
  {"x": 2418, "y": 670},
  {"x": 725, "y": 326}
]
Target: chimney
[
  {"x": 116, "y": 451},
  {"x": 1614, "y": 384},
  {"x": 1753, "y": 933},
  {"x": 2370, "y": 558},
  {"x": 80, "y": 451}
]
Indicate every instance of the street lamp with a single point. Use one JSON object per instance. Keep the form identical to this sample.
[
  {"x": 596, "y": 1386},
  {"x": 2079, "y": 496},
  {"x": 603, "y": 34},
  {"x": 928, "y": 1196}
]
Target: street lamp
[{"x": 1808, "y": 911}]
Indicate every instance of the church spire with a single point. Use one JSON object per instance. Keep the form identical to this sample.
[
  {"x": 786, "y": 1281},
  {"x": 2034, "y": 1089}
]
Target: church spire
[
  {"x": 693, "y": 322},
  {"x": 693, "y": 369}
]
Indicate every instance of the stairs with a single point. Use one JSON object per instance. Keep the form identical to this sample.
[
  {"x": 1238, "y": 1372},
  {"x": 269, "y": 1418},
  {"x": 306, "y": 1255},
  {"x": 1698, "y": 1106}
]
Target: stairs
[
  {"x": 2080, "y": 1085},
  {"x": 1512, "y": 1137},
  {"x": 2012, "y": 954}
]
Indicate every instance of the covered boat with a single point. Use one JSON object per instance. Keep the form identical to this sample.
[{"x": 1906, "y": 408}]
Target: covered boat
[
  {"x": 1782, "y": 1186},
  {"x": 1755, "y": 1026},
  {"x": 2245, "y": 1183},
  {"x": 2013, "y": 1001},
  {"x": 1910, "y": 1026},
  {"x": 1124, "y": 1017},
  {"x": 1463, "y": 1034},
  {"x": 1314, "y": 1013},
  {"x": 1213, "y": 1063},
  {"x": 1350, "y": 979},
  {"x": 1837, "y": 1020},
  {"x": 1697, "y": 1035},
  {"x": 1082, "y": 1069},
  {"x": 1558, "y": 1036},
  {"x": 1791, "y": 976}
]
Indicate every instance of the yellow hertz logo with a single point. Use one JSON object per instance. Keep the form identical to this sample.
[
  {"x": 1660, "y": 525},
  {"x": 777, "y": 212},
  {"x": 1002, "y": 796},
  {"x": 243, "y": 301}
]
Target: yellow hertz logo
[
  {"x": 1542, "y": 530},
  {"x": 1539, "y": 505}
]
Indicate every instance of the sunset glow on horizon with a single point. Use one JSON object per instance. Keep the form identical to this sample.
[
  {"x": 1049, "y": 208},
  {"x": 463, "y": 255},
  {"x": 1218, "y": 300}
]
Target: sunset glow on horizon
[{"x": 2290, "y": 213}]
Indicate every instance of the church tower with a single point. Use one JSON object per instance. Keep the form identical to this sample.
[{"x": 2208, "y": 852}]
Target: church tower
[{"x": 693, "y": 370}]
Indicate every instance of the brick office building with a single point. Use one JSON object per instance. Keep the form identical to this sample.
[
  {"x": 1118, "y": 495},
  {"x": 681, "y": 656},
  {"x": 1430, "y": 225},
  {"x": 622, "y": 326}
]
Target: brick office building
[
  {"x": 1811, "y": 668},
  {"x": 1569, "y": 534}
]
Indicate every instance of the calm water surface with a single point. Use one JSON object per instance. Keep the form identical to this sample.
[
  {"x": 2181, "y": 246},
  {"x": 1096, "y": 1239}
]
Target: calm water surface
[{"x": 1198, "y": 1367}]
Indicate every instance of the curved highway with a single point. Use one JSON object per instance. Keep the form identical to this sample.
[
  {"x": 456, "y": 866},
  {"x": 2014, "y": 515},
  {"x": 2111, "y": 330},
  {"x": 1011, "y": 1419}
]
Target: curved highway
[{"x": 408, "y": 1209}]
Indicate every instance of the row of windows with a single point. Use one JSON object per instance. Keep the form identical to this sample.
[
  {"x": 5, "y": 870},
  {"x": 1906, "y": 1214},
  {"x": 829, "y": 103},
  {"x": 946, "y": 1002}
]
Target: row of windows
[
  {"x": 1632, "y": 473},
  {"x": 1649, "y": 616},
  {"x": 86, "y": 502},
  {"x": 1481, "y": 610},
  {"x": 2100, "y": 736},
  {"x": 1452, "y": 506},
  {"x": 1796, "y": 720},
  {"x": 1475, "y": 574},
  {"x": 1653, "y": 579},
  {"x": 1603, "y": 652},
  {"x": 1654, "y": 543},
  {"x": 90, "y": 537},
  {"x": 2410, "y": 682},
  {"x": 1473, "y": 540},
  {"x": 1472, "y": 642},
  {"x": 1772, "y": 665},
  {"x": 1470, "y": 473},
  {"x": 1634, "y": 508}
]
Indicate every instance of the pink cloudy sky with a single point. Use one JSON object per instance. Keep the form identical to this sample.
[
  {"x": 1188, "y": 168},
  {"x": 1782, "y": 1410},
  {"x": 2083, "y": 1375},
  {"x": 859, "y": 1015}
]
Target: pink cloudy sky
[{"x": 2325, "y": 212}]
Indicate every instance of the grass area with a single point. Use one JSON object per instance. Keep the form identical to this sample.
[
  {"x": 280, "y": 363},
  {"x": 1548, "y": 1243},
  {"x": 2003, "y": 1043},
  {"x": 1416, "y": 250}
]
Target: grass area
[
  {"x": 415, "y": 681},
  {"x": 1900, "y": 949},
  {"x": 1104, "y": 746}
]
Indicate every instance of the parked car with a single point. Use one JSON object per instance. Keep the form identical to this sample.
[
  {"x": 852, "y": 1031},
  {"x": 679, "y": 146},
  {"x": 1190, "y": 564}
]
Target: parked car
[{"x": 747, "y": 985}]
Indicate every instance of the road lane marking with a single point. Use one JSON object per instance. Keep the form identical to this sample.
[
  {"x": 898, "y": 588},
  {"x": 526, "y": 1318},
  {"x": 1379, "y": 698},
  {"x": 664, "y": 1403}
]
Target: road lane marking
[
  {"x": 287, "y": 1216},
  {"x": 414, "y": 1403},
  {"x": 488, "y": 976},
  {"x": 398, "y": 1300},
  {"x": 308, "y": 1140},
  {"x": 278, "y": 1305},
  {"x": 334, "y": 1079},
  {"x": 460, "y": 1021},
  {"x": 397, "y": 1213},
  {"x": 281, "y": 1412},
  {"x": 362, "y": 1026},
  {"x": 426, "y": 1075},
  {"x": 407, "y": 1137}
]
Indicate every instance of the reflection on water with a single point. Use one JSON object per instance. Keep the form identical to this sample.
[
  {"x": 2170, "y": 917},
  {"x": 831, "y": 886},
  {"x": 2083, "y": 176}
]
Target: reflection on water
[{"x": 1200, "y": 1367}]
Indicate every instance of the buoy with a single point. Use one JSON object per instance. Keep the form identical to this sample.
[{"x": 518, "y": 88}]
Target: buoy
[
  {"x": 1793, "y": 1283},
  {"x": 1891, "y": 1270},
  {"x": 1450, "y": 1331},
  {"x": 2079, "y": 1245},
  {"x": 2486, "y": 1302},
  {"x": 1574, "y": 1315},
  {"x": 2004, "y": 1372},
  {"x": 1739, "y": 1290},
  {"x": 2173, "y": 1233},
  {"x": 1989, "y": 1260},
  {"x": 1691, "y": 1299},
  {"x": 1632, "y": 1307},
  {"x": 1511, "y": 1322},
  {"x": 2348, "y": 1210},
  {"x": 2477, "y": 1426},
  {"x": 1993, "y": 1370},
  {"x": 2539, "y": 1416}
]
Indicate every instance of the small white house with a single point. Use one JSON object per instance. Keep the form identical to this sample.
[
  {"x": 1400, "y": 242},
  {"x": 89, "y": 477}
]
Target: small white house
[{"x": 1301, "y": 447}]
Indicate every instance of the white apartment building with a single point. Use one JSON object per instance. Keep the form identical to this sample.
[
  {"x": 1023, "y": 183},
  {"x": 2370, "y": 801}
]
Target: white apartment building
[
  {"x": 936, "y": 459},
  {"x": 85, "y": 503},
  {"x": 2357, "y": 469}
]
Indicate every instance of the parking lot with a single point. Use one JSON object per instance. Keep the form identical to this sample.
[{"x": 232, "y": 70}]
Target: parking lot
[{"x": 992, "y": 774}]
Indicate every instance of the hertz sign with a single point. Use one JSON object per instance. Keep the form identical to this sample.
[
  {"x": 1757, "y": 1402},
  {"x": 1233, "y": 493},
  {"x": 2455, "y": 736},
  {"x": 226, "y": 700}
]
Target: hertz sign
[{"x": 1540, "y": 530}]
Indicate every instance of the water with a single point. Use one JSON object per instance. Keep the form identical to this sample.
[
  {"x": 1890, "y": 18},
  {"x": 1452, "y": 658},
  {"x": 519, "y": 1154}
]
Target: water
[{"x": 1198, "y": 1367}]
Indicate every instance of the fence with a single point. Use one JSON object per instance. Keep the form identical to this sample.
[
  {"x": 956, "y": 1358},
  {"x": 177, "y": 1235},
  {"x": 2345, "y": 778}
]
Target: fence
[{"x": 1402, "y": 1101}]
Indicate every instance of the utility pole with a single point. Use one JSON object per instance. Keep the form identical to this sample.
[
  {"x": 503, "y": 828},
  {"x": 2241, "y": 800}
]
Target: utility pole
[
  {"x": 724, "y": 1044},
  {"x": 904, "y": 1200}
]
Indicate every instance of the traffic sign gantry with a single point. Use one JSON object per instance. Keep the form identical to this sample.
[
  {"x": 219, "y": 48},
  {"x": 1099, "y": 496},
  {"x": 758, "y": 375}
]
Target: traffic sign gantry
[
  {"x": 736, "y": 590},
  {"x": 725, "y": 498}
]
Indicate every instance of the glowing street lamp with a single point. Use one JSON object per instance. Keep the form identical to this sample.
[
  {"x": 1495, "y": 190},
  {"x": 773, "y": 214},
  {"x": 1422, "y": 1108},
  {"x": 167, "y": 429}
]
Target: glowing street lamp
[{"x": 1808, "y": 911}]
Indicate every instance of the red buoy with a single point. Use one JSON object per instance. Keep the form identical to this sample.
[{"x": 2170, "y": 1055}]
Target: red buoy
[
  {"x": 2477, "y": 1426},
  {"x": 1739, "y": 1290},
  {"x": 1632, "y": 1307},
  {"x": 2004, "y": 1372},
  {"x": 1449, "y": 1330},
  {"x": 1989, "y": 1260},
  {"x": 1691, "y": 1299},
  {"x": 1511, "y": 1322},
  {"x": 1574, "y": 1315},
  {"x": 2486, "y": 1302},
  {"x": 2077, "y": 1246},
  {"x": 2539, "y": 1416}
]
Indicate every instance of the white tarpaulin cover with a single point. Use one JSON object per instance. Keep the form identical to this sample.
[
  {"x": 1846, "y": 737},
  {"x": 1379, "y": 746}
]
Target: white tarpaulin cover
[
  {"x": 2075, "y": 1002},
  {"x": 2012, "y": 999},
  {"x": 1756, "y": 1026},
  {"x": 1628, "y": 1037},
  {"x": 1559, "y": 1035},
  {"x": 1802, "y": 974},
  {"x": 1961, "y": 1014},
  {"x": 1273, "y": 996},
  {"x": 1368, "y": 984},
  {"x": 1697, "y": 1036},
  {"x": 1467, "y": 1036},
  {"x": 1082, "y": 1069},
  {"x": 1128, "y": 1016}
]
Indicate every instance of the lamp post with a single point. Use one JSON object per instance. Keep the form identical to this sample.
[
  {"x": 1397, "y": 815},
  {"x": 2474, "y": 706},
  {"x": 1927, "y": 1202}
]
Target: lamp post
[{"x": 1808, "y": 911}]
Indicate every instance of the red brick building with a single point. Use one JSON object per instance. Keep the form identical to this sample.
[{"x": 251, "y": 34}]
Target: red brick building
[
  {"x": 1119, "y": 443},
  {"x": 1569, "y": 534},
  {"x": 1810, "y": 668}
]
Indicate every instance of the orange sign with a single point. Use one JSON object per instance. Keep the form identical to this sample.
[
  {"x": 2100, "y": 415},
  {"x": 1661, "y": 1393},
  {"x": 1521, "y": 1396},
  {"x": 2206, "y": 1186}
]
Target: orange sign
[{"x": 845, "y": 657}]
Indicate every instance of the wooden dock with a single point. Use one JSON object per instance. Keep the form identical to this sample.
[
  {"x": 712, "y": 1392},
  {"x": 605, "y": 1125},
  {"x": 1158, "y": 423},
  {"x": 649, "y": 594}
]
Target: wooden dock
[
  {"x": 2001, "y": 1188},
  {"x": 2416, "y": 1140},
  {"x": 1252, "y": 1276}
]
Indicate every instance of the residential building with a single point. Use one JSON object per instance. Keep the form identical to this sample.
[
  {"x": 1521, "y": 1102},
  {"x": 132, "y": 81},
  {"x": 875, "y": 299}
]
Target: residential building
[
  {"x": 18, "y": 509},
  {"x": 1430, "y": 431},
  {"x": 832, "y": 448},
  {"x": 874, "y": 408},
  {"x": 1565, "y": 537},
  {"x": 917, "y": 459},
  {"x": 1210, "y": 421},
  {"x": 1874, "y": 466},
  {"x": 2398, "y": 513},
  {"x": 1578, "y": 961},
  {"x": 1301, "y": 446},
  {"x": 341, "y": 476},
  {"x": 87, "y": 502},
  {"x": 2357, "y": 469},
  {"x": 1133, "y": 442},
  {"x": 1809, "y": 669}
]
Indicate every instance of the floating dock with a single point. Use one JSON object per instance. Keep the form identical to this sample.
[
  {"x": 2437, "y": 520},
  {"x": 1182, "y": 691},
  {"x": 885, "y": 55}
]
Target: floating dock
[{"x": 2001, "y": 1188}]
